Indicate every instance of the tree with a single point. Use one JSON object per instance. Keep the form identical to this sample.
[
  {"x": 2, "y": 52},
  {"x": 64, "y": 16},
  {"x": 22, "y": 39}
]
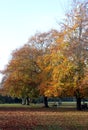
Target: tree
[
  {"x": 43, "y": 42},
  {"x": 21, "y": 74},
  {"x": 65, "y": 65},
  {"x": 70, "y": 70},
  {"x": 76, "y": 29}
]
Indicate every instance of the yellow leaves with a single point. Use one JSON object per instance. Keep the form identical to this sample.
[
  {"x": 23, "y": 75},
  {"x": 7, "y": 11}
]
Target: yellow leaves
[
  {"x": 57, "y": 74},
  {"x": 53, "y": 91},
  {"x": 60, "y": 39}
]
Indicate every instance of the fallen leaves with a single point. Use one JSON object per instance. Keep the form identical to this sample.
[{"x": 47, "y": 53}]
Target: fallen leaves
[{"x": 31, "y": 119}]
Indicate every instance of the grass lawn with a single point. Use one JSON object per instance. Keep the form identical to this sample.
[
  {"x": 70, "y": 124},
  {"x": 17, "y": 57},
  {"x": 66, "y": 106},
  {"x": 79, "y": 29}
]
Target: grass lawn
[
  {"x": 51, "y": 104},
  {"x": 15, "y": 117}
]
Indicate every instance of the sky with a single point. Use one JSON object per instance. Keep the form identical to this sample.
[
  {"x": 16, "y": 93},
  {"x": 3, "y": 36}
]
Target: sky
[{"x": 20, "y": 19}]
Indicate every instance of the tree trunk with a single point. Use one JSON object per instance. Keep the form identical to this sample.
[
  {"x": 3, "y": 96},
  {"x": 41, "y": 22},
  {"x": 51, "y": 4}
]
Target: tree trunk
[
  {"x": 78, "y": 103},
  {"x": 45, "y": 101},
  {"x": 27, "y": 101},
  {"x": 23, "y": 101}
]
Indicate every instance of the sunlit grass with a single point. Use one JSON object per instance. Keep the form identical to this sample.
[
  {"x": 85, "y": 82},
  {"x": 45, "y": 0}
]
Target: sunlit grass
[
  {"x": 21, "y": 106},
  {"x": 40, "y": 105}
]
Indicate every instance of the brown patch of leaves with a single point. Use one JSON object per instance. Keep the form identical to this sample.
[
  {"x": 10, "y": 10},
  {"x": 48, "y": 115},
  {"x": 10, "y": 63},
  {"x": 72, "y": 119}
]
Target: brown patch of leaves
[{"x": 29, "y": 119}]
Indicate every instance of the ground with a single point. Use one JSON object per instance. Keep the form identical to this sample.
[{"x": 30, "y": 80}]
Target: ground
[{"x": 31, "y": 118}]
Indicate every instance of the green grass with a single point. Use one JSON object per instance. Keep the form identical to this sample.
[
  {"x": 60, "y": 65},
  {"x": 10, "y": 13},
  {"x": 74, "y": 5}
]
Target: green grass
[
  {"x": 39, "y": 105},
  {"x": 12, "y": 105},
  {"x": 22, "y": 106},
  {"x": 64, "y": 104},
  {"x": 51, "y": 104}
]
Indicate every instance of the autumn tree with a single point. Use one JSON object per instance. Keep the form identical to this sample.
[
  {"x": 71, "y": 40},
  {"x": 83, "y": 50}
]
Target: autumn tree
[
  {"x": 66, "y": 65},
  {"x": 69, "y": 60},
  {"x": 43, "y": 43},
  {"x": 25, "y": 70},
  {"x": 21, "y": 74},
  {"x": 76, "y": 29}
]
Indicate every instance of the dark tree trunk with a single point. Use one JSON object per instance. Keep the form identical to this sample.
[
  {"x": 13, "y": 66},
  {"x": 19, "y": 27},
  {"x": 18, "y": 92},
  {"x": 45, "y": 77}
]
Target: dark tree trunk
[
  {"x": 27, "y": 101},
  {"x": 45, "y": 101},
  {"x": 78, "y": 103}
]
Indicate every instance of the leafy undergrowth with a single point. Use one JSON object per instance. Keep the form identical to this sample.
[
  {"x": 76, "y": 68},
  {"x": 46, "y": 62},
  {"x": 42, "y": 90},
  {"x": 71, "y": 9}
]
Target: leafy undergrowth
[{"x": 43, "y": 119}]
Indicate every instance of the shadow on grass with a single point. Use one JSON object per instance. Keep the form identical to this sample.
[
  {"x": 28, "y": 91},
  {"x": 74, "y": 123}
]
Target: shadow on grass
[
  {"x": 50, "y": 109},
  {"x": 51, "y": 127},
  {"x": 56, "y": 127}
]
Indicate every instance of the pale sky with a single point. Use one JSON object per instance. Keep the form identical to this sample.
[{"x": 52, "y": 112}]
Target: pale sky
[{"x": 20, "y": 19}]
